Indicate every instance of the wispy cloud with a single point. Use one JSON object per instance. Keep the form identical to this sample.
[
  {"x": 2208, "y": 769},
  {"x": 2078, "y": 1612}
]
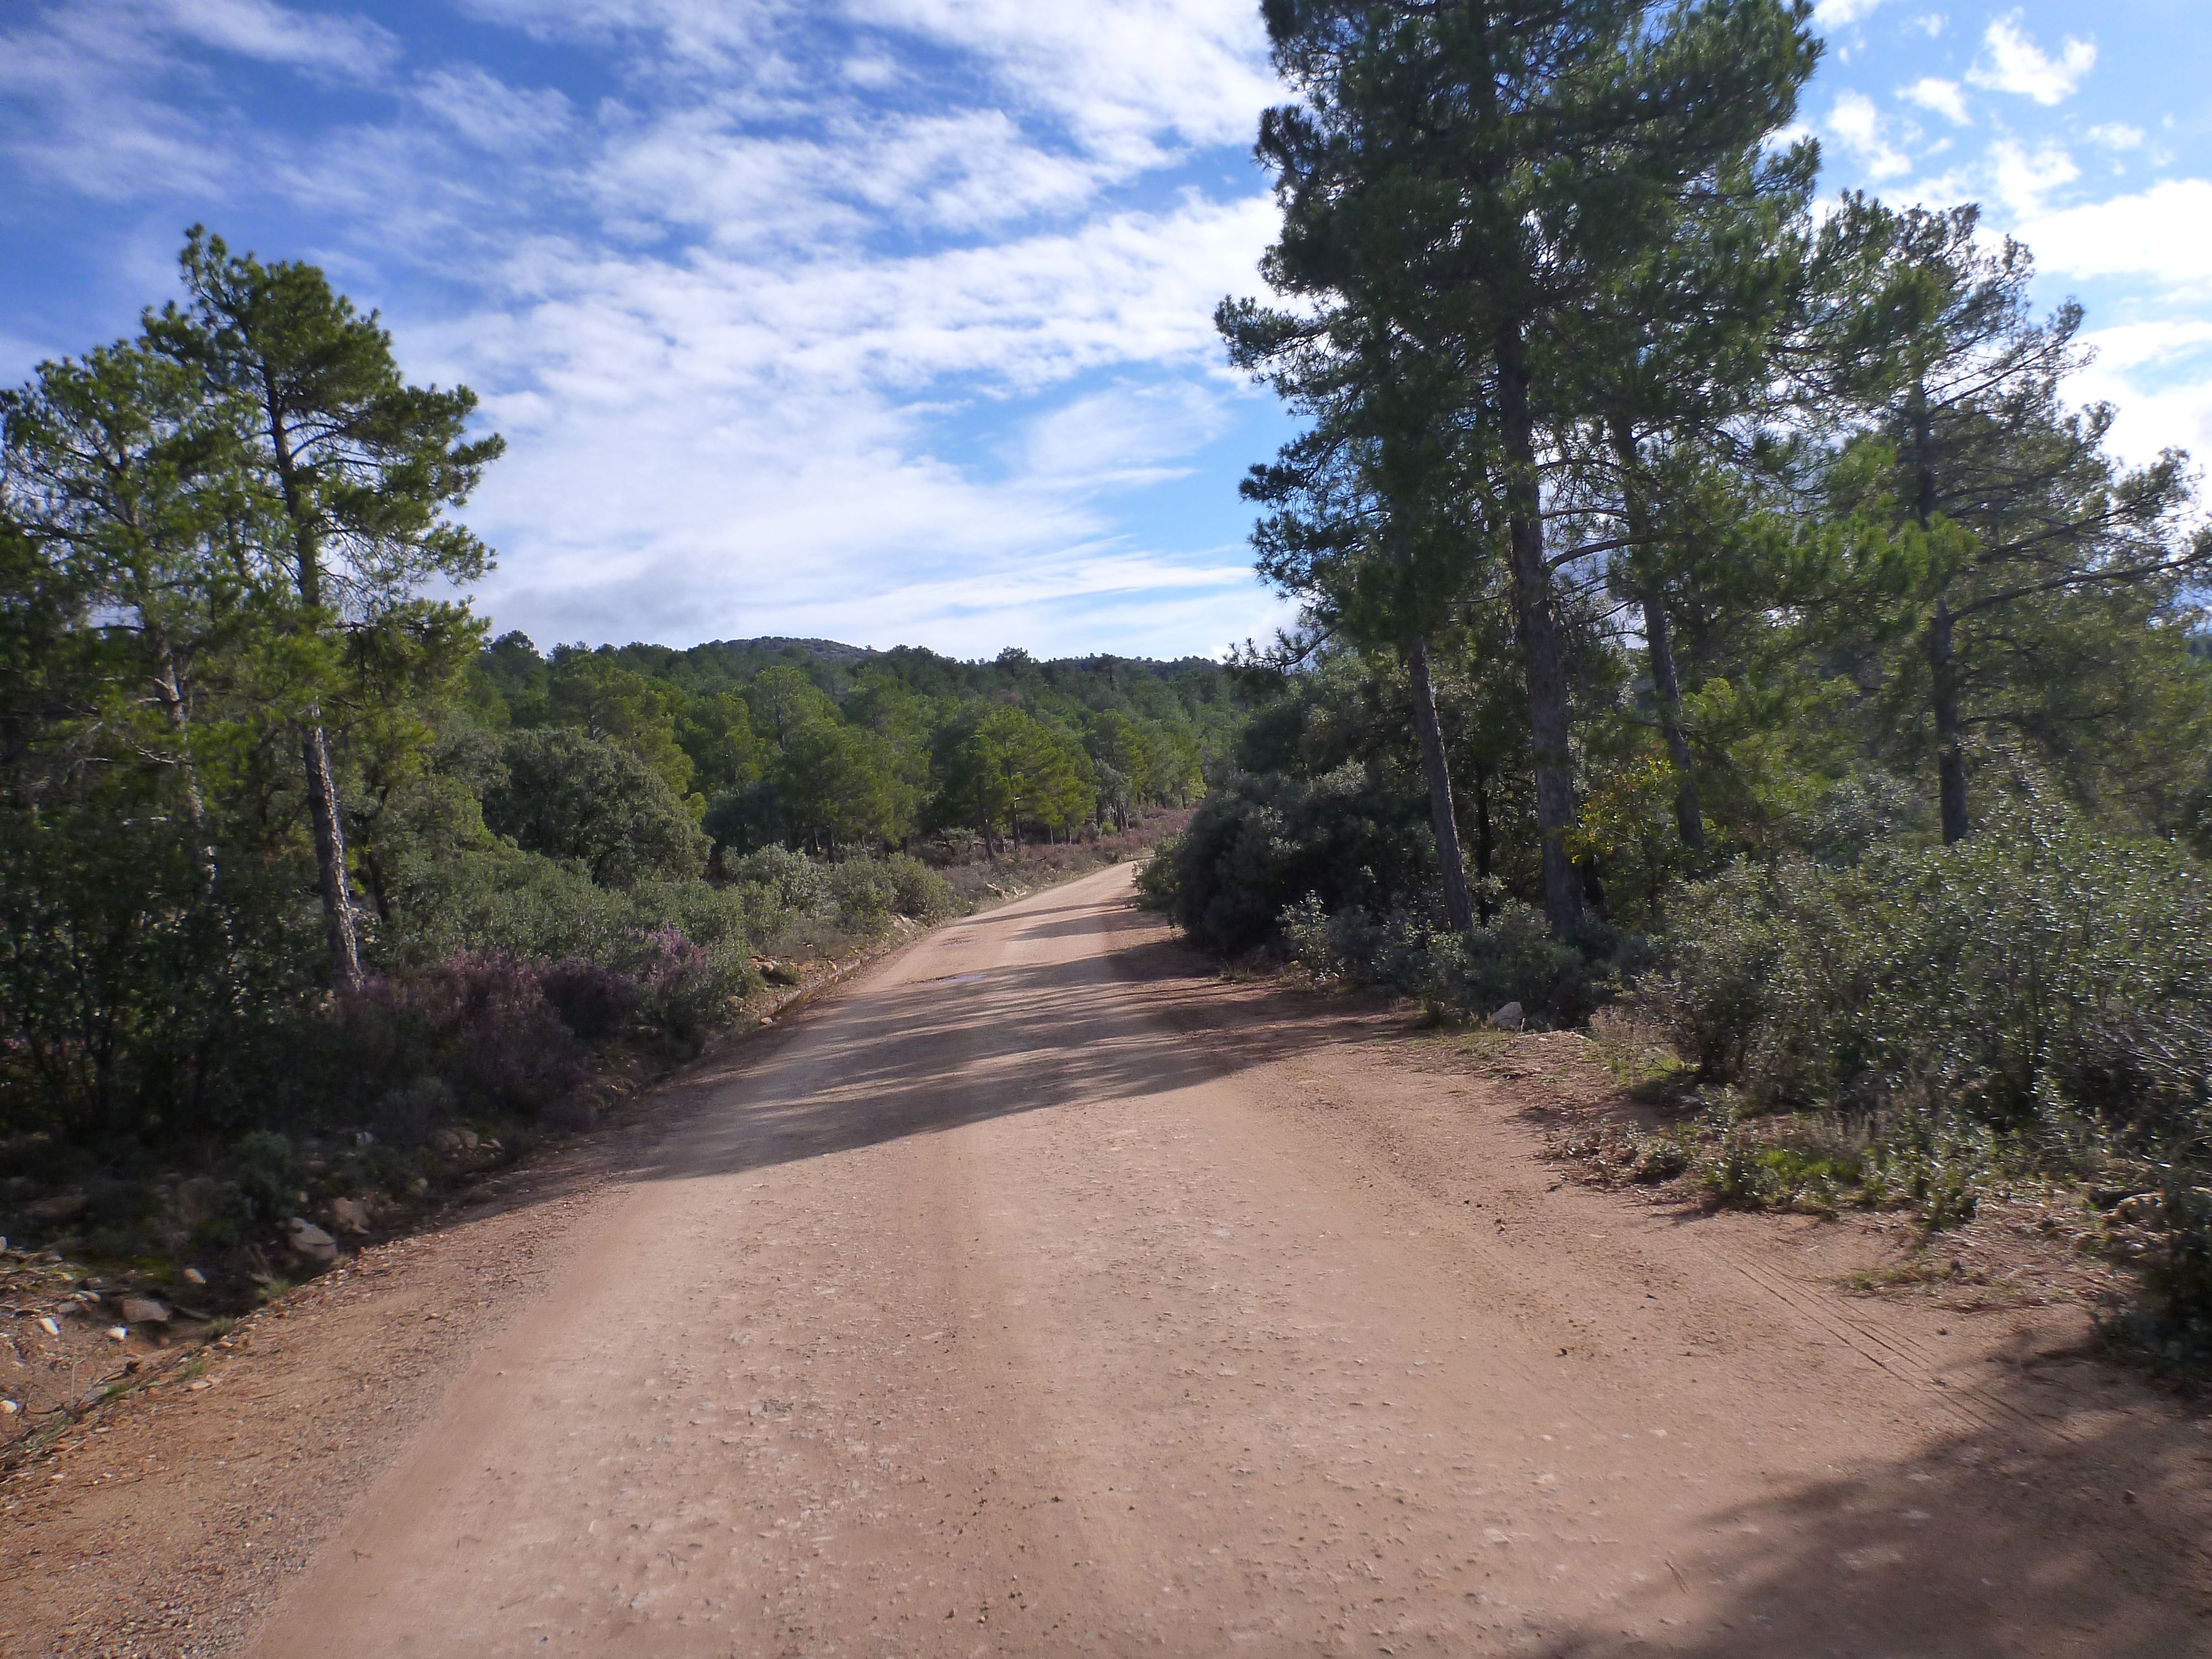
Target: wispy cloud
[
  {"x": 487, "y": 113},
  {"x": 2025, "y": 180},
  {"x": 350, "y": 47},
  {"x": 869, "y": 318},
  {"x": 1840, "y": 14}
]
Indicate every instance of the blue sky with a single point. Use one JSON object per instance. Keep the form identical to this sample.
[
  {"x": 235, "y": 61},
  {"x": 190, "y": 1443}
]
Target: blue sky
[{"x": 889, "y": 320}]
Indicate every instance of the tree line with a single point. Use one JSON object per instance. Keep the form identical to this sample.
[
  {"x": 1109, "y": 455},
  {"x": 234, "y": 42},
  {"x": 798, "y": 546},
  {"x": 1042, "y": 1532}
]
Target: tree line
[
  {"x": 1668, "y": 503},
  {"x": 822, "y": 747}
]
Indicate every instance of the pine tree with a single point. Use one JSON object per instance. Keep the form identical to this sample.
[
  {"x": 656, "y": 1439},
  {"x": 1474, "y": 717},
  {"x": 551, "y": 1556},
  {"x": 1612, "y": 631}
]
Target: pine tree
[
  {"x": 357, "y": 469},
  {"x": 1477, "y": 177},
  {"x": 1990, "y": 498}
]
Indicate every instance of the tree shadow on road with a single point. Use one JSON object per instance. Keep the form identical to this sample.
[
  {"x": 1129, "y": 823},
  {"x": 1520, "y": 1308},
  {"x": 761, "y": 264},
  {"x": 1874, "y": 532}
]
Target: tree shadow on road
[
  {"x": 975, "y": 1044},
  {"x": 2081, "y": 1532}
]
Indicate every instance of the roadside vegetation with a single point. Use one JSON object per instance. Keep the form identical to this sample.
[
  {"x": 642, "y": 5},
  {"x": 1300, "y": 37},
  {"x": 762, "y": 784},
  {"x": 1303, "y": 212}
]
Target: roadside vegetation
[
  {"x": 313, "y": 902},
  {"x": 1714, "y": 612}
]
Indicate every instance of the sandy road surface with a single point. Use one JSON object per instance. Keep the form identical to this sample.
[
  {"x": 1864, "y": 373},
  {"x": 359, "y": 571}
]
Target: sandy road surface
[{"x": 1022, "y": 1301}]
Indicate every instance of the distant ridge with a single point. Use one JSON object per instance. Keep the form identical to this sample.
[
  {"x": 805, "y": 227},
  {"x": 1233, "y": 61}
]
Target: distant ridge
[
  {"x": 776, "y": 645},
  {"x": 836, "y": 651}
]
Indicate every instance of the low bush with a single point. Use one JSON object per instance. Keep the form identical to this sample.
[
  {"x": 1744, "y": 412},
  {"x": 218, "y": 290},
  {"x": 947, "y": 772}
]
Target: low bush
[
  {"x": 687, "y": 988},
  {"x": 789, "y": 879},
  {"x": 2035, "y": 1001},
  {"x": 594, "y": 1001},
  {"x": 482, "y": 1024},
  {"x": 2177, "y": 1322},
  {"x": 1511, "y": 958},
  {"x": 1266, "y": 842},
  {"x": 2035, "y": 974}
]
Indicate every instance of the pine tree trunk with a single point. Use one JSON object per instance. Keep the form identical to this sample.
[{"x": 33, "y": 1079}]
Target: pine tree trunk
[
  {"x": 315, "y": 750},
  {"x": 1543, "y": 652},
  {"x": 1942, "y": 653},
  {"x": 1950, "y": 746},
  {"x": 1482, "y": 843},
  {"x": 1459, "y": 907},
  {"x": 170, "y": 683},
  {"x": 1659, "y": 650},
  {"x": 330, "y": 857}
]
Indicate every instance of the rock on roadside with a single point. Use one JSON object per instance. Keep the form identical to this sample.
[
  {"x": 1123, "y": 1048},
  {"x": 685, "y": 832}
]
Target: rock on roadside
[{"x": 311, "y": 1243}]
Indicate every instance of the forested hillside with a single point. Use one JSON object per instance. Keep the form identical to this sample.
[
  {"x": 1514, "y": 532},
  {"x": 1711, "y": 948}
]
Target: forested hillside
[
  {"x": 1717, "y": 602},
  {"x": 299, "y": 873},
  {"x": 811, "y": 743}
]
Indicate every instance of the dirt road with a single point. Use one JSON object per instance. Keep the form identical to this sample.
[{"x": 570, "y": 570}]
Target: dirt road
[{"x": 1037, "y": 1298}]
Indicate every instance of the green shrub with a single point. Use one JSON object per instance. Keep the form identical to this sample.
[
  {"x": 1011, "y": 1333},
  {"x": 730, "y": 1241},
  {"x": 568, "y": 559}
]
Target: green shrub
[
  {"x": 1265, "y": 841},
  {"x": 862, "y": 892},
  {"x": 600, "y": 805},
  {"x": 266, "y": 1176},
  {"x": 791, "y": 880},
  {"x": 1514, "y": 959},
  {"x": 917, "y": 891},
  {"x": 2178, "y": 1275},
  {"x": 687, "y": 988},
  {"x": 2034, "y": 974}
]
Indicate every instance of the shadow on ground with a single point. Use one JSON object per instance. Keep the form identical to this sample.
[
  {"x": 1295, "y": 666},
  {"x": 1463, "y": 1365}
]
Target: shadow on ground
[
  {"x": 2009, "y": 1539},
  {"x": 970, "y": 1045}
]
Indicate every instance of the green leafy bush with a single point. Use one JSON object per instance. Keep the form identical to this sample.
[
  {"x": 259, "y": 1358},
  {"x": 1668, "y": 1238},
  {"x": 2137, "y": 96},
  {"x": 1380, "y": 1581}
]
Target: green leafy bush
[
  {"x": 791, "y": 880},
  {"x": 597, "y": 805},
  {"x": 1515, "y": 959},
  {"x": 2035, "y": 998},
  {"x": 2178, "y": 1320},
  {"x": 917, "y": 891},
  {"x": 2034, "y": 973},
  {"x": 1266, "y": 841}
]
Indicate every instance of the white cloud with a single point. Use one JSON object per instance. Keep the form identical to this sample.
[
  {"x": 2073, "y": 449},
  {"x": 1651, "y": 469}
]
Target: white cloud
[
  {"x": 2157, "y": 376},
  {"x": 2013, "y": 63},
  {"x": 961, "y": 170},
  {"x": 1943, "y": 97},
  {"x": 1123, "y": 434},
  {"x": 1841, "y": 14},
  {"x": 2022, "y": 179},
  {"x": 869, "y": 319},
  {"x": 1858, "y": 126},
  {"x": 710, "y": 32},
  {"x": 2164, "y": 234},
  {"x": 760, "y": 435},
  {"x": 81, "y": 83},
  {"x": 2117, "y": 135},
  {"x": 89, "y": 84}
]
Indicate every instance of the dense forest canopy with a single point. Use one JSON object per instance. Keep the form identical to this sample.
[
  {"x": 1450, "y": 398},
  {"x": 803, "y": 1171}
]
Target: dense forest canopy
[{"x": 816, "y": 744}]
